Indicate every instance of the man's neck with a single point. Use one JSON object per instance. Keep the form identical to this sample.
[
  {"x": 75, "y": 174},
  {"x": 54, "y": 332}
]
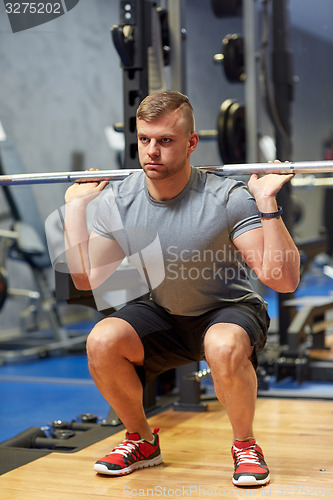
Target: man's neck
[{"x": 168, "y": 188}]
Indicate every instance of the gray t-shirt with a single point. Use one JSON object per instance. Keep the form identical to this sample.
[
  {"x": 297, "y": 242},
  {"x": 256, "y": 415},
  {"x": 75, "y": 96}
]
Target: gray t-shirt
[{"x": 183, "y": 247}]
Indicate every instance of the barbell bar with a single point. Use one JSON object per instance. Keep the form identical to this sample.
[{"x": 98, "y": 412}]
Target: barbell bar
[{"x": 305, "y": 167}]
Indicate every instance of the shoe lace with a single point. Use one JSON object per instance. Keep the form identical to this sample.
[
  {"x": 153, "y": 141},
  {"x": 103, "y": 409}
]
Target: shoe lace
[
  {"x": 247, "y": 455},
  {"x": 127, "y": 447}
]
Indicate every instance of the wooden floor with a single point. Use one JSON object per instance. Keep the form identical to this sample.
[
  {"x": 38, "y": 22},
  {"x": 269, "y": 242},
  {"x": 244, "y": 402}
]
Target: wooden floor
[{"x": 296, "y": 436}]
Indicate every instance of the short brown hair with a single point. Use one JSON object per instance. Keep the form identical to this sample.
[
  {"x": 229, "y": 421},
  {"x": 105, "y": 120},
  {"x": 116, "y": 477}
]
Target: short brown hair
[{"x": 159, "y": 103}]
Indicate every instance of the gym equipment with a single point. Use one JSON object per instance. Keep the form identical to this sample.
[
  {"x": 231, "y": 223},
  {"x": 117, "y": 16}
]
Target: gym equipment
[
  {"x": 26, "y": 242},
  {"x": 131, "y": 38},
  {"x": 199, "y": 375},
  {"x": 307, "y": 330},
  {"x": 165, "y": 34},
  {"x": 232, "y": 58},
  {"x": 145, "y": 38},
  {"x": 309, "y": 320},
  {"x": 189, "y": 389},
  {"x": 240, "y": 65},
  {"x": 62, "y": 437},
  {"x": 231, "y": 136},
  {"x": 300, "y": 167},
  {"x": 233, "y": 61},
  {"x": 236, "y": 134},
  {"x": 21, "y": 240},
  {"x": 227, "y": 8},
  {"x": 222, "y": 141}
]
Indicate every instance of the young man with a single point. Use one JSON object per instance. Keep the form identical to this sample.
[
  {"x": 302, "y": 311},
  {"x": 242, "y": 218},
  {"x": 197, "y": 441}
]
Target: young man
[{"x": 206, "y": 228}]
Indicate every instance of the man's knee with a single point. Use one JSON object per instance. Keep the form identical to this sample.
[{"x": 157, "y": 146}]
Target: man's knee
[
  {"x": 113, "y": 337},
  {"x": 227, "y": 347}
]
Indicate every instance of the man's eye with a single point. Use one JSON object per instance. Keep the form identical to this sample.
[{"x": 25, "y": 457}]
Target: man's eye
[
  {"x": 166, "y": 140},
  {"x": 144, "y": 139}
]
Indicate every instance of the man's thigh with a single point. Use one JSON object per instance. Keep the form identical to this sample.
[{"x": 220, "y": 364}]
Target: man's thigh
[
  {"x": 245, "y": 323},
  {"x": 168, "y": 342}
]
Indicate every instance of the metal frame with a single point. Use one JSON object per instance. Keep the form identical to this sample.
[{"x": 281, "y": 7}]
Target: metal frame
[
  {"x": 176, "y": 13},
  {"x": 251, "y": 84},
  {"x": 131, "y": 38}
]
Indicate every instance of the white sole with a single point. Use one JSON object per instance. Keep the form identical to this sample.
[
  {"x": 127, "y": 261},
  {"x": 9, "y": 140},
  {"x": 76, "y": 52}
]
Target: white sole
[{"x": 250, "y": 481}]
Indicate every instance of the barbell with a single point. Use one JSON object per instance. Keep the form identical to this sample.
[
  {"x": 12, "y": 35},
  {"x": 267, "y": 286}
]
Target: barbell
[{"x": 301, "y": 167}]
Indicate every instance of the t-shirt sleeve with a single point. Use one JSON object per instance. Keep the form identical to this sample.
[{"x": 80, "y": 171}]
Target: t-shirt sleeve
[
  {"x": 242, "y": 211},
  {"x": 107, "y": 220}
]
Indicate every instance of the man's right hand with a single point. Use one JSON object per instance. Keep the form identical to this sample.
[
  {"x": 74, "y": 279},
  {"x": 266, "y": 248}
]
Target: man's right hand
[{"x": 85, "y": 191}]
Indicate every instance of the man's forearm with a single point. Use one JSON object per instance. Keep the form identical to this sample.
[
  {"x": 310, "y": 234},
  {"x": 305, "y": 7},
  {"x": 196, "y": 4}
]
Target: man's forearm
[
  {"x": 271, "y": 252},
  {"x": 281, "y": 261},
  {"x": 76, "y": 243}
]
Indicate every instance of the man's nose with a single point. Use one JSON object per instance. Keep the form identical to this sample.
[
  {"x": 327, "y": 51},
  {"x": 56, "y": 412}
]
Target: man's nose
[{"x": 153, "y": 149}]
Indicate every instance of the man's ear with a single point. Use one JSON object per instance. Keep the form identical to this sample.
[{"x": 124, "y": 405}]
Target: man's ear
[{"x": 193, "y": 141}]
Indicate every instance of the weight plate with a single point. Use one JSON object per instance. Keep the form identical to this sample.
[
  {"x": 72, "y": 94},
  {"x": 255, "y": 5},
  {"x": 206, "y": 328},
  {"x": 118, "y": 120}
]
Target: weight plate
[
  {"x": 233, "y": 58},
  {"x": 59, "y": 424},
  {"x": 165, "y": 35},
  {"x": 86, "y": 418},
  {"x": 227, "y": 8},
  {"x": 236, "y": 134},
  {"x": 222, "y": 130},
  {"x": 63, "y": 434}
]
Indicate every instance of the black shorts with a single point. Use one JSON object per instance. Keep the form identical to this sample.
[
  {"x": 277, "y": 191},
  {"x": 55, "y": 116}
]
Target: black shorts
[{"x": 170, "y": 341}]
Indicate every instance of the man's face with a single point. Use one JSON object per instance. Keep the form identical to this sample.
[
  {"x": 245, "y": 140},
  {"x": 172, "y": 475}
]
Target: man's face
[{"x": 165, "y": 145}]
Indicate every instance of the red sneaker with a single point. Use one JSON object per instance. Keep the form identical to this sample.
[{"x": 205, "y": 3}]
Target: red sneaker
[
  {"x": 250, "y": 466},
  {"x": 133, "y": 453}
]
